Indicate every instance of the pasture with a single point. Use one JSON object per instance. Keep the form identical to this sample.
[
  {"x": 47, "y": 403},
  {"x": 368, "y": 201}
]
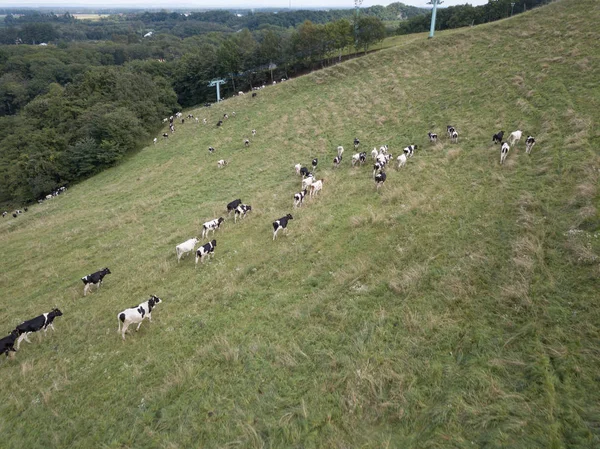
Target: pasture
[{"x": 456, "y": 307}]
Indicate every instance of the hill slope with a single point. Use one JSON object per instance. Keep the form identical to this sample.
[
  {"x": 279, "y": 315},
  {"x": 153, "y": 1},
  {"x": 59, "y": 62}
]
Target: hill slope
[{"x": 457, "y": 307}]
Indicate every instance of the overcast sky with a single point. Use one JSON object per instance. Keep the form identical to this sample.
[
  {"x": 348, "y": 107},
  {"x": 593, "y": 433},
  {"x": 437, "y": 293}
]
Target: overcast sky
[{"x": 296, "y": 4}]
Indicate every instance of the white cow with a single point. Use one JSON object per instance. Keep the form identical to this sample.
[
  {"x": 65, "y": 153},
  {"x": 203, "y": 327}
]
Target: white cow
[{"x": 185, "y": 247}]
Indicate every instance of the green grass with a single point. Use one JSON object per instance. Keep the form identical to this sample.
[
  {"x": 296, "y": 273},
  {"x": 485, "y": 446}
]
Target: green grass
[{"x": 457, "y": 307}]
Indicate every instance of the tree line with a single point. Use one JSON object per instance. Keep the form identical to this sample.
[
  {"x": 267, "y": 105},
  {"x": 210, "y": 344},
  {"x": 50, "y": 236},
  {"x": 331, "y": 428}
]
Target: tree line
[{"x": 467, "y": 15}]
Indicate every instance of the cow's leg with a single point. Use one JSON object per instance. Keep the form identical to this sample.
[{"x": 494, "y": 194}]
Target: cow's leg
[
  {"x": 85, "y": 289},
  {"x": 138, "y": 326},
  {"x": 125, "y": 326}
]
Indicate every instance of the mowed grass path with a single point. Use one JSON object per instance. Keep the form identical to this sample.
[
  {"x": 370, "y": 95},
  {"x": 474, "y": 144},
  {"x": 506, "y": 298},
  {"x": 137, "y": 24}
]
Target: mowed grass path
[{"x": 457, "y": 307}]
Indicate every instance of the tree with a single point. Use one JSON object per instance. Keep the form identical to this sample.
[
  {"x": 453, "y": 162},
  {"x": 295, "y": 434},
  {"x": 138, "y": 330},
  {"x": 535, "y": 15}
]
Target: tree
[{"x": 370, "y": 30}]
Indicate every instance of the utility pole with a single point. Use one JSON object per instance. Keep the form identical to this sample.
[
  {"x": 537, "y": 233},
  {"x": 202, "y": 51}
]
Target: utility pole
[
  {"x": 512, "y": 6},
  {"x": 434, "y": 3},
  {"x": 217, "y": 83},
  {"x": 357, "y": 4}
]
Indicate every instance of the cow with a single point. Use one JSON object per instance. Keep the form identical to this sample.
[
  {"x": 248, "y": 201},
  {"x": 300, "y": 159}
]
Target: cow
[
  {"x": 410, "y": 150},
  {"x": 253, "y": 132},
  {"x": 241, "y": 211},
  {"x": 337, "y": 161},
  {"x": 281, "y": 224},
  {"x": 7, "y": 344},
  {"x": 137, "y": 314},
  {"x": 504, "y": 149},
  {"x": 380, "y": 179},
  {"x": 233, "y": 205},
  {"x": 254, "y": 94},
  {"x": 155, "y": 140},
  {"x": 183, "y": 248},
  {"x": 316, "y": 187},
  {"x": 299, "y": 198},
  {"x": 315, "y": 161},
  {"x": 514, "y": 137},
  {"x": 212, "y": 225},
  {"x": 221, "y": 163},
  {"x": 220, "y": 122},
  {"x": 94, "y": 279},
  {"x": 497, "y": 138},
  {"x": 450, "y": 130},
  {"x": 35, "y": 324},
  {"x": 246, "y": 142},
  {"x": 340, "y": 151},
  {"x": 211, "y": 150},
  {"x": 401, "y": 160},
  {"x": 304, "y": 171},
  {"x": 165, "y": 136},
  {"x": 432, "y": 137},
  {"x": 529, "y": 143},
  {"x": 205, "y": 250},
  {"x": 356, "y": 143},
  {"x": 298, "y": 167}
]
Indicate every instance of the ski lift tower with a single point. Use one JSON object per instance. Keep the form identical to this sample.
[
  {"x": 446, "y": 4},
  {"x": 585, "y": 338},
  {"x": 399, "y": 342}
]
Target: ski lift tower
[
  {"x": 217, "y": 83},
  {"x": 434, "y": 3},
  {"x": 357, "y": 5}
]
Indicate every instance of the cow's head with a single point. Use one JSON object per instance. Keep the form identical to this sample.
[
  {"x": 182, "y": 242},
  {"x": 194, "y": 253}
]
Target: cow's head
[
  {"x": 213, "y": 243},
  {"x": 56, "y": 312},
  {"x": 289, "y": 217},
  {"x": 154, "y": 300},
  {"x": 106, "y": 271}
]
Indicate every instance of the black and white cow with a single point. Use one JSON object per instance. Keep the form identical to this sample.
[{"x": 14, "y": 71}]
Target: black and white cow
[
  {"x": 211, "y": 150},
  {"x": 246, "y": 142},
  {"x": 410, "y": 150},
  {"x": 337, "y": 161},
  {"x": 380, "y": 179},
  {"x": 220, "y": 122},
  {"x": 211, "y": 225},
  {"x": 254, "y": 94},
  {"x": 315, "y": 161},
  {"x": 94, "y": 279},
  {"x": 432, "y": 137},
  {"x": 7, "y": 344},
  {"x": 281, "y": 224},
  {"x": 241, "y": 211},
  {"x": 529, "y": 143},
  {"x": 43, "y": 321},
  {"x": 356, "y": 143},
  {"x": 304, "y": 171},
  {"x": 205, "y": 250},
  {"x": 165, "y": 136},
  {"x": 299, "y": 198},
  {"x": 137, "y": 314},
  {"x": 504, "y": 149},
  {"x": 497, "y": 138},
  {"x": 233, "y": 205},
  {"x": 450, "y": 129}
]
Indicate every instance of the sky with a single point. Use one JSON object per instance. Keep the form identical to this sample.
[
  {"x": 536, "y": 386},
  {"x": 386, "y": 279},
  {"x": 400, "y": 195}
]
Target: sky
[{"x": 246, "y": 4}]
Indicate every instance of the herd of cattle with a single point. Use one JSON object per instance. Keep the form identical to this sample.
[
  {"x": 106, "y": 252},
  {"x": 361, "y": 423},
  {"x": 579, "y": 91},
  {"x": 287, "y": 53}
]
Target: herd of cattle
[{"x": 310, "y": 187}]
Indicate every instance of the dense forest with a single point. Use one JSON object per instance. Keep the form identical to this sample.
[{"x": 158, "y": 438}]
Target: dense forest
[{"x": 76, "y": 96}]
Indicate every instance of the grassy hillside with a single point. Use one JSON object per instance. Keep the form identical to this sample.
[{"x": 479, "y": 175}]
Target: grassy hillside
[{"x": 456, "y": 307}]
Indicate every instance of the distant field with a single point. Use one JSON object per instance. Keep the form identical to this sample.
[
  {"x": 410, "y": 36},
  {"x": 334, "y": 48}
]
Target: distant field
[{"x": 90, "y": 16}]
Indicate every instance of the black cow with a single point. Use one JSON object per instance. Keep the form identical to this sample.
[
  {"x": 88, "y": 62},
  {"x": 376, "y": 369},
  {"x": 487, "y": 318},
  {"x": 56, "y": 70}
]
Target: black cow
[
  {"x": 7, "y": 344},
  {"x": 254, "y": 94},
  {"x": 497, "y": 138},
  {"x": 281, "y": 224},
  {"x": 220, "y": 122},
  {"x": 35, "y": 324},
  {"x": 211, "y": 150},
  {"x": 380, "y": 179},
  {"x": 233, "y": 205},
  {"x": 315, "y": 161},
  {"x": 165, "y": 135},
  {"x": 304, "y": 172},
  {"x": 529, "y": 143},
  {"x": 94, "y": 279}
]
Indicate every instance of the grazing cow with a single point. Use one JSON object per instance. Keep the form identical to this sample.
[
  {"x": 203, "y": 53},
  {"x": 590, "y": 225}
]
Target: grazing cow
[
  {"x": 14, "y": 215},
  {"x": 304, "y": 171},
  {"x": 221, "y": 163},
  {"x": 4, "y": 214},
  {"x": 377, "y": 167},
  {"x": 155, "y": 140},
  {"x": 241, "y": 211},
  {"x": 246, "y": 142},
  {"x": 165, "y": 136},
  {"x": 514, "y": 137},
  {"x": 316, "y": 187},
  {"x": 185, "y": 247},
  {"x": 172, "y": 128},
  {"x": 211, "y": 225},
  {"x": 233, "y": 113},
  {"x": 410, "y": 150},
  {"x": 211, "y": 150},
  {"x": 504, "y": 149},
  {"x": 356, "y": 143},
  {"x": 337, "y": 161},
  {"x": 299, "y": 198},
  {"x": 281, "y": 224},
  {"x": 340, "y": 151},
  {"x": 432, "y": 137},
  {"x": 190, "y": 116},
  {"x": 454, "y": 136},
  {"x": 182, "y": 121},
  {"x": 43, "y": 321},
  {"x": 137, "y": 314},
  {"x": 240, "y": 93},
  {"x": 497, "y": 138},
  {"x": 225, "y": 116},
  {"x": 306, "y": 182},
  {"x": 205, "y": 250},
  {"x": 298, "y": 167},
  {"x": 253, "y": 94},
  {"x": 362, "y": 157},
  {"x": 401, "y": 160},
  {"x": 220, "y": 122},
  {"x": 450, "y": 130},
  {"x": 315, "y": 161},
  {"x": 253, "y": 132},
  {"x": 380, "y": 179},
  {"x": 355, "y": 159},
  {"x": 7, "y": 344},
  {"x": 196, "y": 119},
  {"x": 204, "y": 121},
  {"x": 233, "y": 205},
  {"x": 529, "y": 143},
  {"x": 374, "y": 153},
  {"x": 383, "y": 149},
  {"x": 94, "y": 279}
]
